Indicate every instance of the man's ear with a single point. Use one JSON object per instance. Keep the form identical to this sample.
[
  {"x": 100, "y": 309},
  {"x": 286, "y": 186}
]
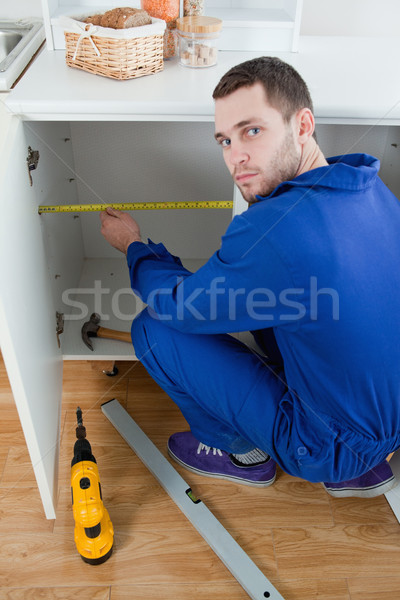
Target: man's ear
[{"x": 305, "y": 124}]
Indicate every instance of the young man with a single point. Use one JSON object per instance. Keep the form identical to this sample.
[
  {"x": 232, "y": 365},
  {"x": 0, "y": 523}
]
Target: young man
[{"x": 311, "y": 268}]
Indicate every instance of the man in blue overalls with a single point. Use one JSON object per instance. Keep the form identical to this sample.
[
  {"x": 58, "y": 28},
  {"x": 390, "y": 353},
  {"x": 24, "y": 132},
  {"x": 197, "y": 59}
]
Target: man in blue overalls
[{"x": 312, "y": 270}]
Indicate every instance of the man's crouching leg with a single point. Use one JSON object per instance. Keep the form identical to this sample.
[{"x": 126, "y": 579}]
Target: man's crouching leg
[{"x": 195, "y": 371}]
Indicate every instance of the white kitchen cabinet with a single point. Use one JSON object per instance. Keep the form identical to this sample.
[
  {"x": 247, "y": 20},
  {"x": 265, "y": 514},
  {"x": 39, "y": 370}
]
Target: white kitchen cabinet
[
  {"x": 105, "y": 141},
  {"x": 29, "y": 347},
  {"x": 249, "y": 25},
  {"x": 60, "y": 262}
]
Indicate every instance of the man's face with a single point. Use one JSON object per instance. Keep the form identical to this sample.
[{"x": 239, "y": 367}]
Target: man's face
[{"x": 259, "y": 148}]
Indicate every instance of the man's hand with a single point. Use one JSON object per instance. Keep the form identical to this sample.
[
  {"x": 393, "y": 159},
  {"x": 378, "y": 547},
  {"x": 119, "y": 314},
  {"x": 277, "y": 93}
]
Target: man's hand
[{"x": 119, "y": 228}]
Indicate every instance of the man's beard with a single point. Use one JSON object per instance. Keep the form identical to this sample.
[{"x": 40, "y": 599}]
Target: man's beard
[{"x": 283, "y": 166}]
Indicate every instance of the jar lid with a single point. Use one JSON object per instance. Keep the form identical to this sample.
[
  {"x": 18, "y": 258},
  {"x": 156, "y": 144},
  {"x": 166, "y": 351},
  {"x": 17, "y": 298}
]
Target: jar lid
[{"x": 199, "y": 24}]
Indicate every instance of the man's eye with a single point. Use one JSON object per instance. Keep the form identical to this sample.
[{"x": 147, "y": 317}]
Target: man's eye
[
  {"x": 225, "y": 143},
  {"x": 253, "y": 131}
]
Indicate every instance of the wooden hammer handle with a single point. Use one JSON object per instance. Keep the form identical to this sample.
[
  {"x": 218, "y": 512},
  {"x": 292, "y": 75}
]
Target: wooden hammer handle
[{"x": 113, "y": 334}]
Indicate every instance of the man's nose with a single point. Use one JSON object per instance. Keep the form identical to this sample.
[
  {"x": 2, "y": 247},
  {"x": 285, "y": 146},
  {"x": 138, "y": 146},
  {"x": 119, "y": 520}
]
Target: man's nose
[{"x": 238, "y": 155}]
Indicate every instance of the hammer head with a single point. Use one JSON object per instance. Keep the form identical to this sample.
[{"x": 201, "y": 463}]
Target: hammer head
[{"x": 90, "y": 328}]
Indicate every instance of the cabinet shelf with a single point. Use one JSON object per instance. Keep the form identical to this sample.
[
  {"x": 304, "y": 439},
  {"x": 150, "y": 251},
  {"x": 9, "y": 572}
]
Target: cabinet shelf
[
  {"x": 258, "y": 29},
  {"x": 104, "y": 288},
  {"x": 256, "y": 17}
]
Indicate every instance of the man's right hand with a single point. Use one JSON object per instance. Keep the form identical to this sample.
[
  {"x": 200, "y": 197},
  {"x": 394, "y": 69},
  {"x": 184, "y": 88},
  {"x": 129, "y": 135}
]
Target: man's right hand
[{"x": 119, "y": 229}]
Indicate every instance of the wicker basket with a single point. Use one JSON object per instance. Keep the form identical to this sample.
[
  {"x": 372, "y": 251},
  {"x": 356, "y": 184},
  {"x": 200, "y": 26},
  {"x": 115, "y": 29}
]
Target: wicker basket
[{"x": 116, "y": 53}]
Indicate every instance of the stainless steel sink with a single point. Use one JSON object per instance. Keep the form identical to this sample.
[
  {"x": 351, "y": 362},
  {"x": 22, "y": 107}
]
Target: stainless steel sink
[
  {"x": 14, "y": 37},
  {"x": 8, "y": 41}
]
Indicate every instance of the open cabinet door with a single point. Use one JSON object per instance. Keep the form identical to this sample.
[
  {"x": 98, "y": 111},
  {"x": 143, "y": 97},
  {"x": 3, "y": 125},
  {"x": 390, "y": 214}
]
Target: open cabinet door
[
  {"x": 27, "y": 316},
  {"x": 239, "y": 203}
]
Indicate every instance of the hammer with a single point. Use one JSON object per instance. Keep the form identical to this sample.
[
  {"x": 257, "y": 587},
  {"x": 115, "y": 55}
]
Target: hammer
[{"x": 92, "y": 329}]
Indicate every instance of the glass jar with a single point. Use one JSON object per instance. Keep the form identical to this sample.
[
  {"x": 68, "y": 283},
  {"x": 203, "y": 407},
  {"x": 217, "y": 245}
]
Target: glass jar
[
  {"x": 197, "y": 40},
  {"x": 192, "y": 8},
  {"x": 168, "y": 11},
  {"x": 170, "y": 43}
]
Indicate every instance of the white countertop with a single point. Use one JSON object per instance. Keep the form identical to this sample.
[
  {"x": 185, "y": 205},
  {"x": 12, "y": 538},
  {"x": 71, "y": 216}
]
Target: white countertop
[{"x": 351, "y": 80}]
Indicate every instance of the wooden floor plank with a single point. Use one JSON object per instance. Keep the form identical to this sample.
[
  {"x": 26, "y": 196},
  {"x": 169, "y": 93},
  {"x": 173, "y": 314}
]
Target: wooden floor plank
[
  {"x": 375, "y": 588},
  {"x": 354, "y": 511},
  {"x": 21, "y": 510},
  {"x": 85, "y": 385},
  {"x": 231, "y": 591},
  {"x": 313, "y": 589},
  {"x": 6, "y": 397},
  {"x": 156, "y": 557},
  {"x": 18, "y": 470},
  {"x": 3, "y": 458},
  {"x": 341, "y": 550},
  {"x": 291, "y": 590},
  {"x": 10, "y": 433},
  {"x": 56, "y": 593}
]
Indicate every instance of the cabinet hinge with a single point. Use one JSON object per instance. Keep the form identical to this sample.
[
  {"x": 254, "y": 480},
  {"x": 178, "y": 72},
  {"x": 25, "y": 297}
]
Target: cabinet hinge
[
  {"x": 32, "y": 162},
  {"x": 59, "y": 326}
]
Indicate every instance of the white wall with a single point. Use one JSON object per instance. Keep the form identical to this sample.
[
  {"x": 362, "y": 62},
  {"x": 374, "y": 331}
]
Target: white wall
[
  {"x": 351, "y": 17},
  {"x": 17, "y": 9}
]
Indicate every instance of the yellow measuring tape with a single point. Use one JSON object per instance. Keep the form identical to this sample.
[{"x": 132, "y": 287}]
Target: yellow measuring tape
[{"x": 60, "y": 208}]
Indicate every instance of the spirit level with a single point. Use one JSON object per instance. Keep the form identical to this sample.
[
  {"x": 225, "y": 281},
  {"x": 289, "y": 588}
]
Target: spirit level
[
  {"x": 60, "y": 208},
  {"x": 253, "y": 581}
]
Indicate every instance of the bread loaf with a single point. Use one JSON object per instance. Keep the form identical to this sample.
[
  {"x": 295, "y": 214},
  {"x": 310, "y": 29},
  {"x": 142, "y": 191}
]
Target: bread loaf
[
  {"x": 141, "y": 17},
  {"x": 121, "y": 18},
  {"x": 95, "y": 19}
]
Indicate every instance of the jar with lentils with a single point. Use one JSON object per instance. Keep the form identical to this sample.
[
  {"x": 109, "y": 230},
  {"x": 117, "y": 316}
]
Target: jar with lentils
[{"x": 168, "y": 11}]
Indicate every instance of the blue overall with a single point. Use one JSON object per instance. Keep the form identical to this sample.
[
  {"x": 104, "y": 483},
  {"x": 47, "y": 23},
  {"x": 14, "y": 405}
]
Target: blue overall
[{"x": 313, "y": 270}]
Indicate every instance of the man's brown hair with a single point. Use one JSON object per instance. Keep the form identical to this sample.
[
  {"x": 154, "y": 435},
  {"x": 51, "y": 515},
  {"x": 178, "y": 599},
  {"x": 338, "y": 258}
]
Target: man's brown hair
[{"x": 285, "y": 90}]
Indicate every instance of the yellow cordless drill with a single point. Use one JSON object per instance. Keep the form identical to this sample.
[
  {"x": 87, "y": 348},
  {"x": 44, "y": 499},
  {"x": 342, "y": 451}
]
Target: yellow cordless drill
[{"x": 94, "y": 533}]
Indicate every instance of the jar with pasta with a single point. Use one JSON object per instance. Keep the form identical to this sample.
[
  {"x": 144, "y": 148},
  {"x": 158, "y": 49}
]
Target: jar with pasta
[
  {"x": 168, "y": 11},
  {"x": 193, "y": 8}
]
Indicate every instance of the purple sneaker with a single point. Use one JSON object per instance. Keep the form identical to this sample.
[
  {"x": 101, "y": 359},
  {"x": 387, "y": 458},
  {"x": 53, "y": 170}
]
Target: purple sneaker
[
  {"x": 199, "y": 458},
  {"x": 375, "y": 482}
]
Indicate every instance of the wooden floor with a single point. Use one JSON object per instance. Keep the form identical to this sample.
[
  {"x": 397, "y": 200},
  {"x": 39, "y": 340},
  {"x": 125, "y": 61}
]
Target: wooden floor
[{"x": 307, "y": 543}]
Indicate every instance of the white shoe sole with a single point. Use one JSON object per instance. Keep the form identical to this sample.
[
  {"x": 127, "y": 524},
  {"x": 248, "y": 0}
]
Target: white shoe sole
[
  {"x": 371, "y": 492},
  {"x": 218, "y": 476}
]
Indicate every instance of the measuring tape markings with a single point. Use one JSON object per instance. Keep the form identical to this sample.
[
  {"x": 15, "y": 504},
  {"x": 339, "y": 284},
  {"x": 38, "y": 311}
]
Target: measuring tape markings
[{"x": 134, "y": 206}]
